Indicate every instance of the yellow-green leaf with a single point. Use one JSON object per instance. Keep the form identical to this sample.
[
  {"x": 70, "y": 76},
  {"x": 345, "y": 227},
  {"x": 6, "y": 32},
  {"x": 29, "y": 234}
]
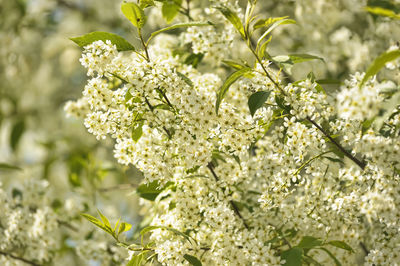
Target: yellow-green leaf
[
  {"x": 120, "y": 43},
  {"x": 233, "y": 19},
  {"x": 228, "y": 82},
  {"x": 134, "y": 13},
  {"x": 379, "y": 63}
]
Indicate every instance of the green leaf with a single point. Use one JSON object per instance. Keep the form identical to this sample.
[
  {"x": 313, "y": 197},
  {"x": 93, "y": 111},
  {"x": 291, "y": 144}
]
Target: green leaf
[
  {"x": 379, "y": 63},
  {"x": 340, "y": 244},
  {"x": 146, "y": 3},
  {"x": 185, "y": 78},
  {"x": 134, "y": 13},
  {"x": 180, "y": 25},
  {"x": 116, "y": 225},
  {"x": 194, "y": 59},
  {"x": 124, "y": 227},
  {"x": 151, "y": 190},
  {"x": 309, "y": 242},
  {"x": 6, "y": 166},
  {"x": 298, "y": 58},
  {"x": 233, "y": 18},
  {"x": 257, "y": 100},
  {"x": 287, "y": 61},
  {"x": 136, "y": 260},
  {"x": 388, "y": 108},
  {"x": 192, "y": 260},
  {"x": 170, "y": 9},
  {"x": 228, "y": 82},
  {"x": 105, "y": 221},
  {"x": 337, "y": 262},
  {"x": 266, "y": 22},
  {"x": 272, "y": 27},
  {"x": 16, "y": 133},
  {"x": 120, "y": 43},
  {"x": 261, "y": 50},
  {"x": 292, "y": 256},
  {"x": 97, "y": 222},
  {"x": 382, "y": 12},
  {"x": 233, "y": 64},
  {"x": 137, "y": 131}
]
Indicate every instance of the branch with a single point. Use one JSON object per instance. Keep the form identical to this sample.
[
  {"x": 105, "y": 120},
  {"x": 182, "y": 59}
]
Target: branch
[
  {"x": 235, "y": 208},
  {"x": 18, "y": 258},
  {"x": 361, "y": 164},
  {"x": 68, "y": 225}
]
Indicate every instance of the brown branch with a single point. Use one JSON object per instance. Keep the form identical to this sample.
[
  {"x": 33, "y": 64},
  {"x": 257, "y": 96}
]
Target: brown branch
[
  {"x": 68, "y": 225},
  {"x": 235, "y": 208},
  {"x": 364, "y": 248},
  {"x": 19, "y": 258},
  {"x": 361, "y": 164}
]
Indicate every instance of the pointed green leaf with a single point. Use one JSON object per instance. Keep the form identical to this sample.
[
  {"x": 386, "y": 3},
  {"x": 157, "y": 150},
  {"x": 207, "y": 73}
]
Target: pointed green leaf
[
  {"x": 272, "y": 27},
  {"x": 388, "y": 108},
  {"x": 137, "y": 131},
  {"x": 120, "y": 43},
  {"x": 266, "y": 22},
  {"x": 261, "y": 50},
  {"x": 194, "y": 59},
  {"x": 151, "y": 190},
  {"x": 134, "y": 13},
  {"x": 292, "y": 256},
  {"x": 185, "y": 78},
  {"x": 257, "y": 100},
  {"x": 116, "y": 225},
  {"x": 379, "y": 63},
  {"x": 233, "y": 64},
  {"x": 228, "y": 82},
  {"x": 298, "y": 58},
  {"x": 340, "y": 244},
  {"x": 105, "y": 221},
  {"x": 382, "y": 12},
  {"x": 124, "y": 227},
  {"x": 96, "y": 222},
  {"x": 233, "y": 18},
  {"x": 192, "y": 260},
  {"x": 180, "y": 25}
]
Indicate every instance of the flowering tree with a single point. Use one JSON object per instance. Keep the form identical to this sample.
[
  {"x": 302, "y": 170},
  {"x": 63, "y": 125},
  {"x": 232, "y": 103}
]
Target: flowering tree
[
  {"x": 248, "y": 158},
  {"x": 255, "y": 168}
]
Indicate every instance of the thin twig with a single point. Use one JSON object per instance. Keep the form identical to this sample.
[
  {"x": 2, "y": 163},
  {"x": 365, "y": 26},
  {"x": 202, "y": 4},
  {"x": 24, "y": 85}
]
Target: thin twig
[
  {"x": 364, "y": 248},
  {"x": 233, "y": 204},
  {"x": 144, "y": 45},
  {"x": 19, "y": 258},
  {"x": 361, "y": 164},
  {"x": 68, "y": 225}
]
